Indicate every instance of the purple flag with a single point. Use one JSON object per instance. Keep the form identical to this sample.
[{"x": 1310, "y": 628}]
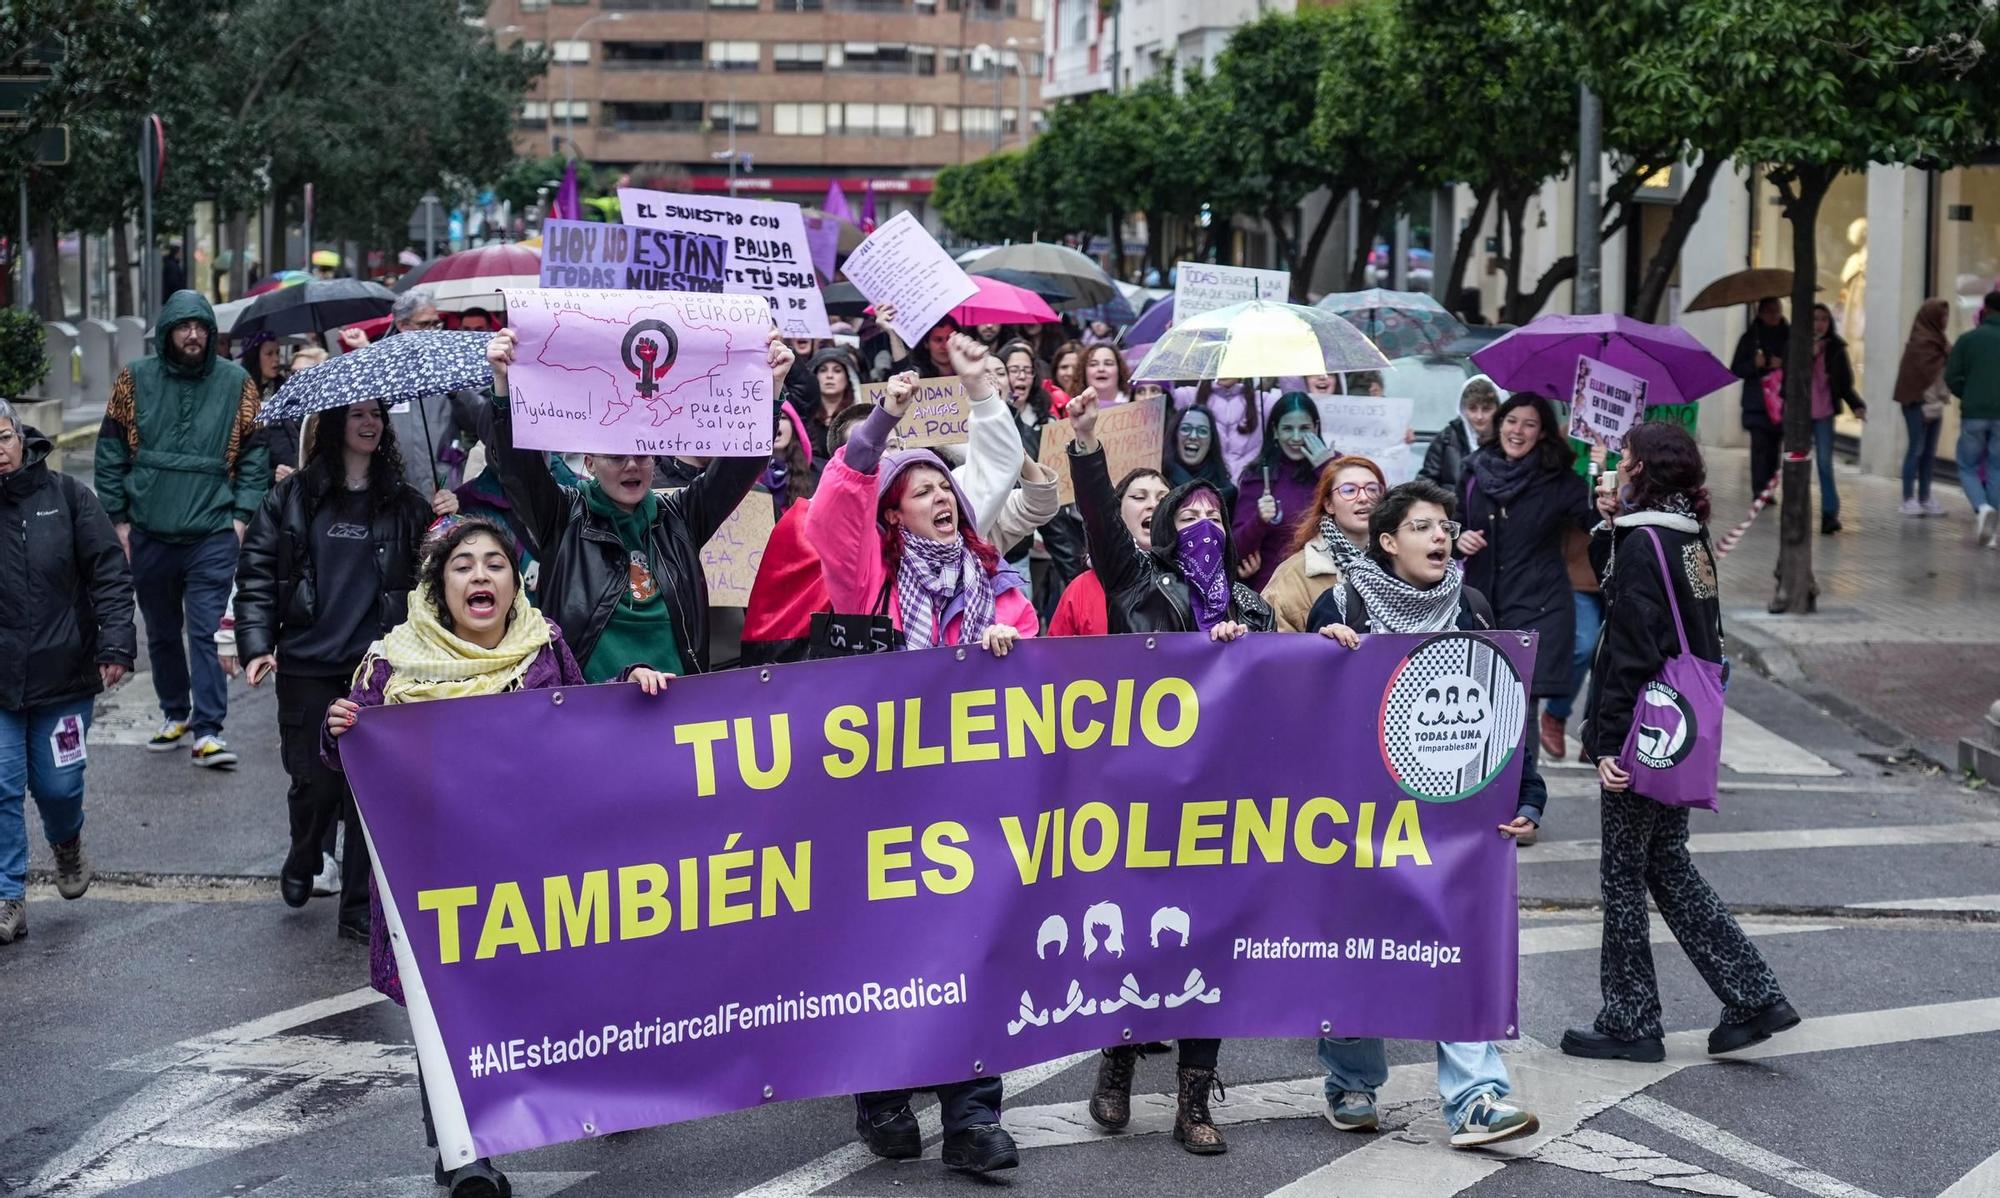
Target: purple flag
[
  {"x": 567, "y": 206},
  {"x": 612, "y": 911}
]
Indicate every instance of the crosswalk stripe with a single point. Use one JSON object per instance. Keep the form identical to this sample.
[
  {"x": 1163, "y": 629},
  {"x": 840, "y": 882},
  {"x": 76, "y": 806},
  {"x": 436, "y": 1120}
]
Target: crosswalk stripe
[
  {"x": 1860, "y": 836},
  {"x": 1748, "y": 747},
  {"x": 1731, "y": 1147},
  {"x": 1971, "y": 902}
]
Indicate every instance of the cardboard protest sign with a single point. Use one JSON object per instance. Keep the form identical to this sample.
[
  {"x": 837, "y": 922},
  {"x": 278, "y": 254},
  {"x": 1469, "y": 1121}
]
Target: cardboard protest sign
[
  {"x": 731, "y": 557},
  {"x": 1204, "y": 286},
  {"x": 590, "y": 254},
  {"x": 1133, "y": 435},
  {"x": 653, "y": 372},
  {"x": 768, "y": 252},
  {"x": 940, "y": 413},
  {"x": 903, "y": 265},
  {"x": 1606, "y": 403},
  {"x": 1373, "y": 427}
]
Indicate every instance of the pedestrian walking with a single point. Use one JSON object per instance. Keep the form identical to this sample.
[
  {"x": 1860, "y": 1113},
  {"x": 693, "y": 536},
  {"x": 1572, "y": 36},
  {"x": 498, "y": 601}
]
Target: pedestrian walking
[
  {"x": 1275, "y": 492},
  {"x": 1463, "y": 434},
  {"x": 1759, "y": 352},
  {"x": 1081, "y": 610},
  {"x": 65, "y": 635},
  {"x": 621, "y": 565},
  {"x": 1661, "y": 599},
  {"x": 896, "y": 541},
  {"x": 1183, "y": 579},
  {"x": 1832, "y": 389},
  {"x": 1587, "y": 600},
  {"x": 180, "y": 470},
  {"x": 1336, "y": 532},
  {"x": 1921, "y": 394},
  {"x": 1407, "y": 582},
  {"x": 327, "y": 567},
  {"x": 1972, "y": 372},
  {"x": 469, "y": 631},
  {"x": 1520, "y": 492}
]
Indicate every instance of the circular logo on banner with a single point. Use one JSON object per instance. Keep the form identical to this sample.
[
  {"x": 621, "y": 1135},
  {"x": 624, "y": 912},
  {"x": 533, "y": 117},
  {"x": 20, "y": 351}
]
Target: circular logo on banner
[
  {"x": 1451, "y": 717},
  {"x": 1666, "y": 727}
]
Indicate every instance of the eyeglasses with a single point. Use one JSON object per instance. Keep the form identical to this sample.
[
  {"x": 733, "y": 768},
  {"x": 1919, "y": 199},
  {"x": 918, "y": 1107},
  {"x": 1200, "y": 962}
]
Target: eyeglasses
[
  {"x": 1451, "y": 527},
  {"x": 1352, "y": 491},
  {"x": 435, "y": 322},
  {"x": 1198, "y": 432}
]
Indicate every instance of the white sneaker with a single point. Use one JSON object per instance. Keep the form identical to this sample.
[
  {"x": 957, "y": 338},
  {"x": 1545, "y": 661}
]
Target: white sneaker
[
  {"x": 327, "y": 881},
  {"x": 211, "y": 753},
  {"x": 1986, "y": 519},
  {"x": 1912, "y": 508},
  {"x": 1933, "y": 508}
]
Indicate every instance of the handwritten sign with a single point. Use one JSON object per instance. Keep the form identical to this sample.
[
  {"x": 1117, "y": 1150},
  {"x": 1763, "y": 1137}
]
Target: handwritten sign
[
  {"x": 1370, "y": 426},
  {"x": 768, "y": 253},
  {"x": 1203, "y": 287},
  {"x": 940, "y": 414},
  {"x": 582, "y": 253},
  {"x": 1606, "y": 403},
  {"x": 652, "y": 372},
  {"x": 903, "y": 265},
  {"x": 1132, "y": 434},
  {"x": 730, "y": 558}
]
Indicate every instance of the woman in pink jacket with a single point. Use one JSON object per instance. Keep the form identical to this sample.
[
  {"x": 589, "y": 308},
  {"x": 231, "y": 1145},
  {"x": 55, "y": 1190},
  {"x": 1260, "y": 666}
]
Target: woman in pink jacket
[{"x": 893, "y": 536}]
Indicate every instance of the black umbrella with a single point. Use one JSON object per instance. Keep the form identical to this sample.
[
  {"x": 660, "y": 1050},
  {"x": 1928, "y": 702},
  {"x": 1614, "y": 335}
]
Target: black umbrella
[
  {"x": 1047, "y": 287},
  {"x": 843, "y": 299},
  {"x": 314, "y": 306}
]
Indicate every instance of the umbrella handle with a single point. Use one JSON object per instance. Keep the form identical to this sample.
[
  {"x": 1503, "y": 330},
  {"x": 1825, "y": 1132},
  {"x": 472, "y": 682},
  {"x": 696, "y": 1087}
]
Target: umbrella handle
[{"x": 430, "y": 442}]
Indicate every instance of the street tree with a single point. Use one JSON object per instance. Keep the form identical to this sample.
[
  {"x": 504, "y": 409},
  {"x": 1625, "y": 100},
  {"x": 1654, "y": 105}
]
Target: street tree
[{"x": 982, "y": 199}]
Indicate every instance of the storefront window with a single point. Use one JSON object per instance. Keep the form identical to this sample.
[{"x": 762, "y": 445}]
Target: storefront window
[
  {"x": 1841, "y": 243},
  {"x": 1965, "y": 257}
]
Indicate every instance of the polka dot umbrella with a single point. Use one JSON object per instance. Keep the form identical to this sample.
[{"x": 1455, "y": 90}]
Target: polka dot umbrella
[{"x": 394, "y": 370}]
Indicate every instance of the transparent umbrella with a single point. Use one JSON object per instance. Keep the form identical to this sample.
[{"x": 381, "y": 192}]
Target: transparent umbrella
[{"x": 1259, "y": 339}]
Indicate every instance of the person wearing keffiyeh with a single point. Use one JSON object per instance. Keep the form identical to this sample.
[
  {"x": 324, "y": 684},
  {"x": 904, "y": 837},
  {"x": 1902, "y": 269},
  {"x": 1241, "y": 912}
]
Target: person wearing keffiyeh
[
  {"x": 1184, "y": 582},
  {"x": 1348, "y": 489}
]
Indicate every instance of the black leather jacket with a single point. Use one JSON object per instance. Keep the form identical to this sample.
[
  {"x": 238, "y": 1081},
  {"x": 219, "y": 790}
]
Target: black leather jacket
[
  {"x": 585, "y": 569},
  {"x": 1142, "y": 592},
  {"x": 275, "y": 582}
]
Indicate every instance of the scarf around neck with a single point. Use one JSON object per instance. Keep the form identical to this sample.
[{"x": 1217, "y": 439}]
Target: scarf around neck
[
  {"x": 1503, "y": 478},
  {"x": 1335, "y": 542},
  {"x": 428, "y": 661},
  {"x": 1396, "y": 606},
  {"x": 930, "y": 574},
  {"x": 1199, "y": 552}
]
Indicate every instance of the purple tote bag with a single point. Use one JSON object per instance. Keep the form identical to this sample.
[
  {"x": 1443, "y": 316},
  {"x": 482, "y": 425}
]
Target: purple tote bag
[{"x": 1674, "y": 750}]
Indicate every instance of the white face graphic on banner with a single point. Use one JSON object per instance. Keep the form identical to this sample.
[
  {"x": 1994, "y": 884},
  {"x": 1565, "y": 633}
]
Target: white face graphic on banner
[
  {"x": 1452, "y": 718},
  {"x": 1104, "y": 931}
]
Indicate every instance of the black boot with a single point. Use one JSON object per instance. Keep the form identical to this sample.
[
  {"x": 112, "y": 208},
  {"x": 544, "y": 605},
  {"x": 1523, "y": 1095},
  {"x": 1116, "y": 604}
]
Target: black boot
[
  {"x": 1111, "y": 1105},
  {"x": 1193, "y": 1128},
  {"x": 1828, "y": 525},
  {"x": 1595, "y": 1045},
  {"x": 981, "y": 1149},
  {"x": 892, "y": 1134},
  {"x": 1729, "y": 1037}
]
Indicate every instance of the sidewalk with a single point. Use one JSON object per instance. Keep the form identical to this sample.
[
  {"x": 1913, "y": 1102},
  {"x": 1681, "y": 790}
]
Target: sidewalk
[{"x": 1906, "y": 642}]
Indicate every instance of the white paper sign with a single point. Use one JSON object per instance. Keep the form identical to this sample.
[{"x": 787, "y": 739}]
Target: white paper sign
[
  {"x": 1373, "y": 427},
  {"x": 1203, "y": 287},
  {"x": 902, "y": 264},
  {"x": 768, "y": 254},
  {"x": 1606, "y": 403},
  {"x": 66, "y": 742}
]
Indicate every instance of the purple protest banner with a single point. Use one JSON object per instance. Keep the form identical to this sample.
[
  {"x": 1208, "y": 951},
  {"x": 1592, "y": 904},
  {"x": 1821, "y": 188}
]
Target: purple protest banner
[
  {"x": 612, "y": 911},
  {"x": 653, "y": 372},
  {"x": 592, "y": 254}
]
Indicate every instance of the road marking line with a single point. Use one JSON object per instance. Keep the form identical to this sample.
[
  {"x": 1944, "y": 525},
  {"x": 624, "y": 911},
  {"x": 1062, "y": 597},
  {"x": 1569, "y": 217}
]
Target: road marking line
[
  {"x": 1748, "y": 747},
  {"x": 1575, "y": 937},
  {"x": 1861, "y": 836},
  {"x": 418, "y": 1185},
  {"x": 1971, "y": 902},
  {"x": 1614, "y": 1158},
  {"x": 244, "y": 1033},
  {"x": 1982, "y": 1182},
  {"x": 1731, "y": 1147}
]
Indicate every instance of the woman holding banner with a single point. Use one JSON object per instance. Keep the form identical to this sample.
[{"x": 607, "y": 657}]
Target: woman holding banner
[
  {"x": 1348, "y": 490},
  {"x": 469, "y": 631},
  {"x": 1182, "y": 580},
  {"x": 1081, "y": 611},
  {"x": 896, "y": 539},
  {"x": 1407, "y": 582},
  {"x": 1661, "y": 604}
]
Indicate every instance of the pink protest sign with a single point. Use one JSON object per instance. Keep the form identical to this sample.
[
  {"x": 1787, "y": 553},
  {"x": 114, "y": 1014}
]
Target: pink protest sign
[{"x": 653, "y": 372}]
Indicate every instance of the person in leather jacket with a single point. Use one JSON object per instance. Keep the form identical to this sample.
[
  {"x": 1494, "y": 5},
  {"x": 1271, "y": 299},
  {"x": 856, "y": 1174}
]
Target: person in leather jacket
[
  {"x": 327, "y": 567},
  {"x": 621, "y": 565}
]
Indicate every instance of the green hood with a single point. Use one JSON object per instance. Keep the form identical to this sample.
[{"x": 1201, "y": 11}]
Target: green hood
[{"x": 180, "y": 306}]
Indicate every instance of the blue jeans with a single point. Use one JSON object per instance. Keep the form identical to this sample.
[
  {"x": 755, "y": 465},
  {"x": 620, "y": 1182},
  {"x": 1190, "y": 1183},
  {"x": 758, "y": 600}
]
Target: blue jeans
[
  {"x": 1465, "y": 1071},
  {"x": 1589, "y": 622},
  {"x": 1979, "y": 462},
  {"x": 1829, "y": 496},
  {"x": 1920, "y": 459},
  {"x": 28, "y": 763},
  {"x": 186, "y": 586}
]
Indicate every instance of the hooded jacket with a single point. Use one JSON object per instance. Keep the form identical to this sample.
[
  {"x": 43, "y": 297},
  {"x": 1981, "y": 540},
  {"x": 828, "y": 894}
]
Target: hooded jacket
[
  {"x": 1144, "y": 590},
  {"x": 1924, "y": 354},
  {"x": 805, "y": 400},
  {"x": 585, "y": 569},
  {"x": 179, "y": 455},
  {"x": 1639, "y": 631},
  {"x": 65, "y": 588},
  {"x": 1444, "y": 461}
]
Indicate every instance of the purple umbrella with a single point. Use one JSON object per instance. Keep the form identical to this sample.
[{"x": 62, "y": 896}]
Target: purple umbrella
[
  {"x": 1541, "y": 355},
  {"x": 1152, "y": 323}
]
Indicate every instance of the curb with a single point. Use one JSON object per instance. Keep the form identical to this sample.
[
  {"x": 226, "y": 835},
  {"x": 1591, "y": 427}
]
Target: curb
[{"x": 1772, "y": 658}]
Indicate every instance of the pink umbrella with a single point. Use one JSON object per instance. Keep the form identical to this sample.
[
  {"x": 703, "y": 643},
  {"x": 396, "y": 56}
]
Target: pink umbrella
[{"x": 1003, "y": 303}]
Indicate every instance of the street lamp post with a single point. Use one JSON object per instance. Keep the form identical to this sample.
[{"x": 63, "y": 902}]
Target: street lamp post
[{"x": 569, "y": 79}]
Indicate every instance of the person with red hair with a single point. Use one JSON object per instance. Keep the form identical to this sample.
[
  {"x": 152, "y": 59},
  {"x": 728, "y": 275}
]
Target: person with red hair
[{"x": 1348, "y": 489}]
